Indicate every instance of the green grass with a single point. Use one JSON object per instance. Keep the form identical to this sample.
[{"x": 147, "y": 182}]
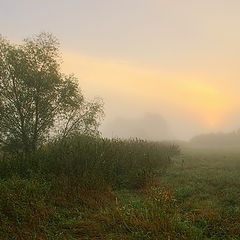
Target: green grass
[
  {"x": 66, "y": 189},
  {"x": 127, "y": 190},
  {"x": 207, "y": 189}
]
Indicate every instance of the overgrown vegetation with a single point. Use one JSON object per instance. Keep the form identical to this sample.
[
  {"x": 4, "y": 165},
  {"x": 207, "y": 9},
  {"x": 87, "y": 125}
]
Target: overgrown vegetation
[
  {"x": 38, "y": 101},
  {"x": 60, "y": 180},
  {"x": 120, "y": 194},
  {"x": 58, "y": 189},
  {"x": 120, "y": 162}
]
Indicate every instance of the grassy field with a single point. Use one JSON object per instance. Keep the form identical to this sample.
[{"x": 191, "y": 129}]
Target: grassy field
[
  {"x": 207, "y": 189},
  {"x": 196, "y": 197}
]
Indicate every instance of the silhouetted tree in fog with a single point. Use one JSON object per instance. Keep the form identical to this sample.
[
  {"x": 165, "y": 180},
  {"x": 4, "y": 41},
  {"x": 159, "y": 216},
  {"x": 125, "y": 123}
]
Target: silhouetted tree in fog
[{"x": 36, "y": 99}]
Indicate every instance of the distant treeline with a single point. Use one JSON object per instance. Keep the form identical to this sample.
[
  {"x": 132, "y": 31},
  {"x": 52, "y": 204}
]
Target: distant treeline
[{"x": 217, "y": 139}]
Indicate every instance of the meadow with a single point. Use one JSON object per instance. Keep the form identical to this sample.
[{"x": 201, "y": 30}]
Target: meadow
[
  {"x": 92, "y": 188},
  {"x": 207, "y": 189}
]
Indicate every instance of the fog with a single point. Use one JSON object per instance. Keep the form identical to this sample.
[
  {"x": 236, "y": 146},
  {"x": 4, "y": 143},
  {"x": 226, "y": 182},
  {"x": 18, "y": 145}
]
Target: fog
[
  {"x": 177, "y": 60},
  {"x": 120, "y": 119},
  {"x": 149, "y": 127}
]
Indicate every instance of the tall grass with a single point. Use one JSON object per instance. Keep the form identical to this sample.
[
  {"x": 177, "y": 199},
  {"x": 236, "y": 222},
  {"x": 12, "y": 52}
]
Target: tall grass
[
  {"x": 122, "y": 163},
  {"x": 55, "y": 192}
]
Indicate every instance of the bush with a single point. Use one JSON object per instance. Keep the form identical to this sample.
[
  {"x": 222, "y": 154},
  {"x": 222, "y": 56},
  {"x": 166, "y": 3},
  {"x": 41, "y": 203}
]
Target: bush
[
  {"x": 62, "y": 189},
  {"x": 122, "y": 163}
]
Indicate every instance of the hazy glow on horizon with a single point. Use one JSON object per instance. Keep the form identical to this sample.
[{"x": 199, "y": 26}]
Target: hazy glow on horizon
[
  {"x": 179, "y": 59},
  {"x": 176, "y": 92}
]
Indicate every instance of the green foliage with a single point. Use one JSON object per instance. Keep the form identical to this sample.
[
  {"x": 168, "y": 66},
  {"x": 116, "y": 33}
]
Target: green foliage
[
  {"x": 122, "y": 163},
  {"x": 64, "y": 189},
  {"x": 37, "y": 101},
  {"x": 61, "y": 196}
]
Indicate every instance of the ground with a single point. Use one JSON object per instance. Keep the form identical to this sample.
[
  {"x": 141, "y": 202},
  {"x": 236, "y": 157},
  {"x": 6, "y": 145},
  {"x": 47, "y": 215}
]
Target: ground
[{"x": 198, "y": 198}]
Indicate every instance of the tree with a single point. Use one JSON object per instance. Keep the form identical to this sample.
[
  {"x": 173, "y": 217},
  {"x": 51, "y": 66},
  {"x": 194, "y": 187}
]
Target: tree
[{"x": 37, "y": 101}]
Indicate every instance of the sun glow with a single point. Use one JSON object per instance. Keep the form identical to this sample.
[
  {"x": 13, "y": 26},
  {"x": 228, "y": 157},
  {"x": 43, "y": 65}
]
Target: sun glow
[{"x": 208, "y": 103}]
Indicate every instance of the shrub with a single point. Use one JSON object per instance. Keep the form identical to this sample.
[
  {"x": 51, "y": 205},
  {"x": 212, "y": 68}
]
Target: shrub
[{"x": 122, "y": 163}]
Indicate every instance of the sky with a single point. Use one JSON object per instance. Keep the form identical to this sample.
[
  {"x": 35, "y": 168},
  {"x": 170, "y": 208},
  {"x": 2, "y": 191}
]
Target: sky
[{"x": 178, "y": 60}]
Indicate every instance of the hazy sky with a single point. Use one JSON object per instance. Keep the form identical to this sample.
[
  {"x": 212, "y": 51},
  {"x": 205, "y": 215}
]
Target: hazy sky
[{"x": 178, "y": 59}]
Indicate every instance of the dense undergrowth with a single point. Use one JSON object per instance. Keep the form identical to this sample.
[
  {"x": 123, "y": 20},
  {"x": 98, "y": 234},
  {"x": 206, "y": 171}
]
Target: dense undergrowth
[
  {"x": 122, "y": 163},
  {"x": 57, "y": 192},
  {"x": 89, "y": 188}
]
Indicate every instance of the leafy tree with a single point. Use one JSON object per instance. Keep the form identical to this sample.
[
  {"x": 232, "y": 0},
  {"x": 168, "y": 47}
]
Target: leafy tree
[{"x": 37, "y": 101}]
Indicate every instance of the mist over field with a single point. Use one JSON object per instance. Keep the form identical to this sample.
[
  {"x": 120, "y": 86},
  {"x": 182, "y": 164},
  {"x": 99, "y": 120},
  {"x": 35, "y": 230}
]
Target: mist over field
[
  {"x": 179, "y": 60},
  {"x": 120, "y": 120},
  {"x": 150, "y": 127}
]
